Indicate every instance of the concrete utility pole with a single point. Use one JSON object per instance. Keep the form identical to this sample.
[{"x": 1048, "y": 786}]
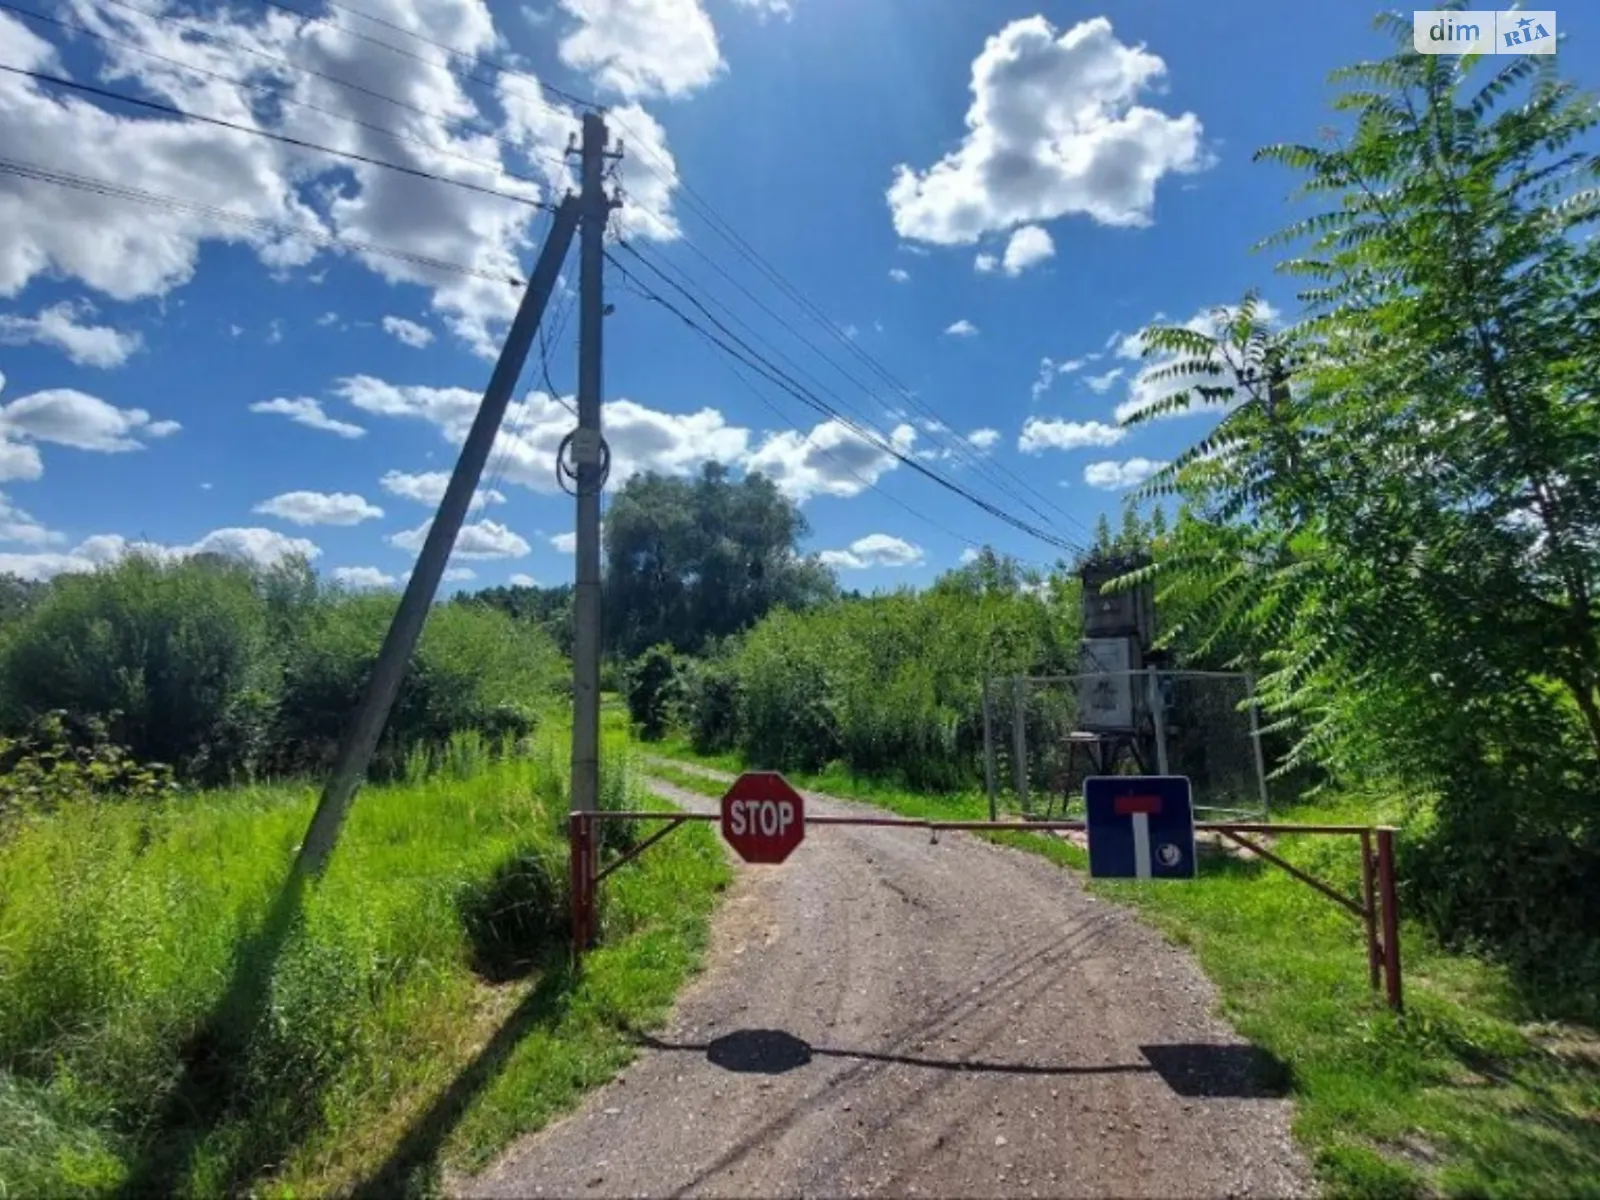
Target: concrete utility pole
[
  {"x": 366, "y": 727},
  {"x": 590, "y": 459}
]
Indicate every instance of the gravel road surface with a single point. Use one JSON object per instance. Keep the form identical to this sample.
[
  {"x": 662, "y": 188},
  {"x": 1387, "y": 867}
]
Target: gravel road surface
[{"x": 882, "y": 1015}]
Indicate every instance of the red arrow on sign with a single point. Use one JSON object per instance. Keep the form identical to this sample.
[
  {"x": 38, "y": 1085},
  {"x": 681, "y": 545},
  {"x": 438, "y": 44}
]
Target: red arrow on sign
[{"x": 763, "y": 817}]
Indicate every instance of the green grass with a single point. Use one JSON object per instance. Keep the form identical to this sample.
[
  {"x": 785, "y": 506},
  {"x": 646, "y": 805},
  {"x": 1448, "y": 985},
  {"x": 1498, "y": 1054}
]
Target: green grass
[
  {"x": 377, "y": 1055},
  {"x": 1463, "y": 1097}
]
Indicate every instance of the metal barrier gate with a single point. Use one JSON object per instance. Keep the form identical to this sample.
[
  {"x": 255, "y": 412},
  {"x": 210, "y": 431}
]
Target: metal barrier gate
[{"x": 1376, "y": 908}]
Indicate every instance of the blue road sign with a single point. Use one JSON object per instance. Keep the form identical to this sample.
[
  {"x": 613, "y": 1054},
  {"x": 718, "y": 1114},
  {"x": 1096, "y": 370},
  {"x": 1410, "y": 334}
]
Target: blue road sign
[{"x": 1140, "y": 826}]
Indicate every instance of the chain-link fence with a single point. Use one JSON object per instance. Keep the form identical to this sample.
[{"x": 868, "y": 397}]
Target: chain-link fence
[{"x": 1043, "y": 736}]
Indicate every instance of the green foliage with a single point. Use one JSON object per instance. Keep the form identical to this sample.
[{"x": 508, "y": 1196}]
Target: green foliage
[
  {"x": 653, "y": 682},
  {"x": 550, "y": 608},
  {"x": 1398, "y": 514},
  {"x": 120, "y": 925},
  {"x": 225, "y": 671},
  {"x": 691, "y": 561},
  {"x": 45, "y": 768},
  {"x": 889, "y": 684},
  {"x": 475, "y": 669},
  {"x": 176, "y": 659}
]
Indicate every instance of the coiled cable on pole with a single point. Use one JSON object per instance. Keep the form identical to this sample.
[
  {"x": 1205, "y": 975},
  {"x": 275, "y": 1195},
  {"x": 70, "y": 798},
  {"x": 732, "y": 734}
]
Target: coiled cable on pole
[{"x": 567, "y": 475}]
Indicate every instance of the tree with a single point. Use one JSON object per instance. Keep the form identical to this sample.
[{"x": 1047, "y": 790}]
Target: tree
[
  {"x": 688, "y": 561},
  {"x": 1399, "y": 510}
]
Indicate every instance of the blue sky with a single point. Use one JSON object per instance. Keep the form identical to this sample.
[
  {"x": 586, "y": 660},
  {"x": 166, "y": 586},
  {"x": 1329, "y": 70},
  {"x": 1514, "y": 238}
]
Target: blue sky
[{"x": 1046, "y": 177}]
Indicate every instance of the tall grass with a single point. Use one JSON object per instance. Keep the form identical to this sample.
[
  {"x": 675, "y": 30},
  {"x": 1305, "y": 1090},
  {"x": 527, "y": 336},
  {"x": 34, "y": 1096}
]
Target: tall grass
[{"x": 121, "y": 926}]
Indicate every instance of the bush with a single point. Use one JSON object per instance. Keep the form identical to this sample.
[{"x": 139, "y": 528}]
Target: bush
[
  {"x": 652, "y": 682},
  {"x": 44, "y": 769},
  {"x": 174, "y": 660},
  {"x": 475, "y": 669},
  {"x": 890, "y": 685},
  {"x": 709, "y": 702}
]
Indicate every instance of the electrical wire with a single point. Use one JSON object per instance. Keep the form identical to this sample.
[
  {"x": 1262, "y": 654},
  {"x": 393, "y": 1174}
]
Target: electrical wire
[
  {"x": 277, "y": 59},
  {"x": 275, "y": 93},
  {"x": 958, "y": 447},
  {"x": 174, "y": 110},
  {"x": 695, "y": 201},
  {"x": 735, "y": 346},
  {"x": 118, "y": 191},
  {"x": 498, "y": 68},
  {"x": 684, "y": 291}
]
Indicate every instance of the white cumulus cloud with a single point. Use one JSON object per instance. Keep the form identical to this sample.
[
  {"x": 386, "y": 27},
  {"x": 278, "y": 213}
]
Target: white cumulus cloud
[
  {"x": 303, "y": 410},
  {"x": 1055, "y": 128},
  {"x": 641, "y": 438},
  {"x": 1040, "y": 434},
  {"x": 409, "y": 332},
  {"x": 61, "y": 326},
  {"x": 984, "y": 439},
  {"x": 18, "y": 526},
  {"x": 427, "y": 487},
  {"x": 566, "y": 543},
  {"x": 874, "y": 550},
  {"x": 1028, "y": 247},
  {"x": 899, "y": 274},
  {"x": 520, "y": 579},
  {"x": 459, "y": 574},
  {"x": 830, "y": 460},
  {"x": 486, "y": 539},
  {"x": 71, "y": 418},
  {"x": 204, "y": 185},
  {"x": 1100, "y": 384},
  {"x": 364, "y": 577},
  {"x": 962, "y": 328},
  {"x": 643, "y": 47},
  {"x": 319, "y": 508},
  {"x": 1113, "y": 476},
  {"x": 259, "y": 547}
]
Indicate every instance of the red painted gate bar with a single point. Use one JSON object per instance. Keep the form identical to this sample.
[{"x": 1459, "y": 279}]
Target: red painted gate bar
[{"x": 1377, "y": 907}]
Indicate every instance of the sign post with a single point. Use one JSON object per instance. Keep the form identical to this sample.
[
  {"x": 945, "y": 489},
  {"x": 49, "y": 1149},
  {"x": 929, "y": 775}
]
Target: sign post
[
  {"x": 763, "y": 817},
  {"x": 1140, "y": 826}
]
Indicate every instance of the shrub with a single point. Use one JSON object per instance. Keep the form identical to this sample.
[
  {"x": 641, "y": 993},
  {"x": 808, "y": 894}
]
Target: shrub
[
  {"x": 652, "y": 682},
  {"x": 475, "y": 669},
  {"x": 709, "y": 705},
  {"x": 44, "y": 769},
  {"x": 174, "y": 660}
]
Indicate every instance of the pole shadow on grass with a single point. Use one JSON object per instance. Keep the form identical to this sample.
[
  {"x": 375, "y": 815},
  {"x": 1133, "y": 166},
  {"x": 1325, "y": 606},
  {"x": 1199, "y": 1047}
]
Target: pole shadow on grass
[
  {"x": 211, "y": 1083},
  {"x": 418, "y": 1150}
]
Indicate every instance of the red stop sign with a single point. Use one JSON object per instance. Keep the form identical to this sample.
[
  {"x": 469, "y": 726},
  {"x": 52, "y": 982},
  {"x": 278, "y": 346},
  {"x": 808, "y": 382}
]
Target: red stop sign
[{"x": 763, "y": 818}]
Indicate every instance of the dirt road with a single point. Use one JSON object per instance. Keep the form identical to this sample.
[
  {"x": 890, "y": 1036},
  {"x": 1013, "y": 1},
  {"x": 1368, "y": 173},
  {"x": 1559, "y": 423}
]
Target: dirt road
[{"x": 885, "y": 1016}]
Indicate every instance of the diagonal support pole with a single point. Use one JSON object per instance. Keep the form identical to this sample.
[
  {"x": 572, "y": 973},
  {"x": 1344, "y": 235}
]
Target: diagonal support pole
[{"x": 372, "y": 714}]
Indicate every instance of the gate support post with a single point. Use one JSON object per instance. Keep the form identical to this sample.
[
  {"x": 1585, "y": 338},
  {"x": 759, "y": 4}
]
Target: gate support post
[
  {"x": 988, "y": 750},
  {"x": 1369, "y": 910},
  {"x": 1391, "y": 919},
  {"x": 580, "y": 836},
  {"x": 1019, "y": 740}
]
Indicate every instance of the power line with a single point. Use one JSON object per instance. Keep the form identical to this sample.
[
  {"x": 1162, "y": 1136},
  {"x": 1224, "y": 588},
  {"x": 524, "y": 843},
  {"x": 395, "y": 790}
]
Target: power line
[
  {"x": 269, "y": 89},
  {"x": 742, "y": 351},
  {"x": 348, "y": 85},
  {"x": 683, "y": 290},
  {"x": 118, "y": 191},
  {"x": 498, "y": 68},
  {"x": 935, "y": 423},
  {"x": 175, "y": 111},
  {"x": 671, "y": 176}
]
